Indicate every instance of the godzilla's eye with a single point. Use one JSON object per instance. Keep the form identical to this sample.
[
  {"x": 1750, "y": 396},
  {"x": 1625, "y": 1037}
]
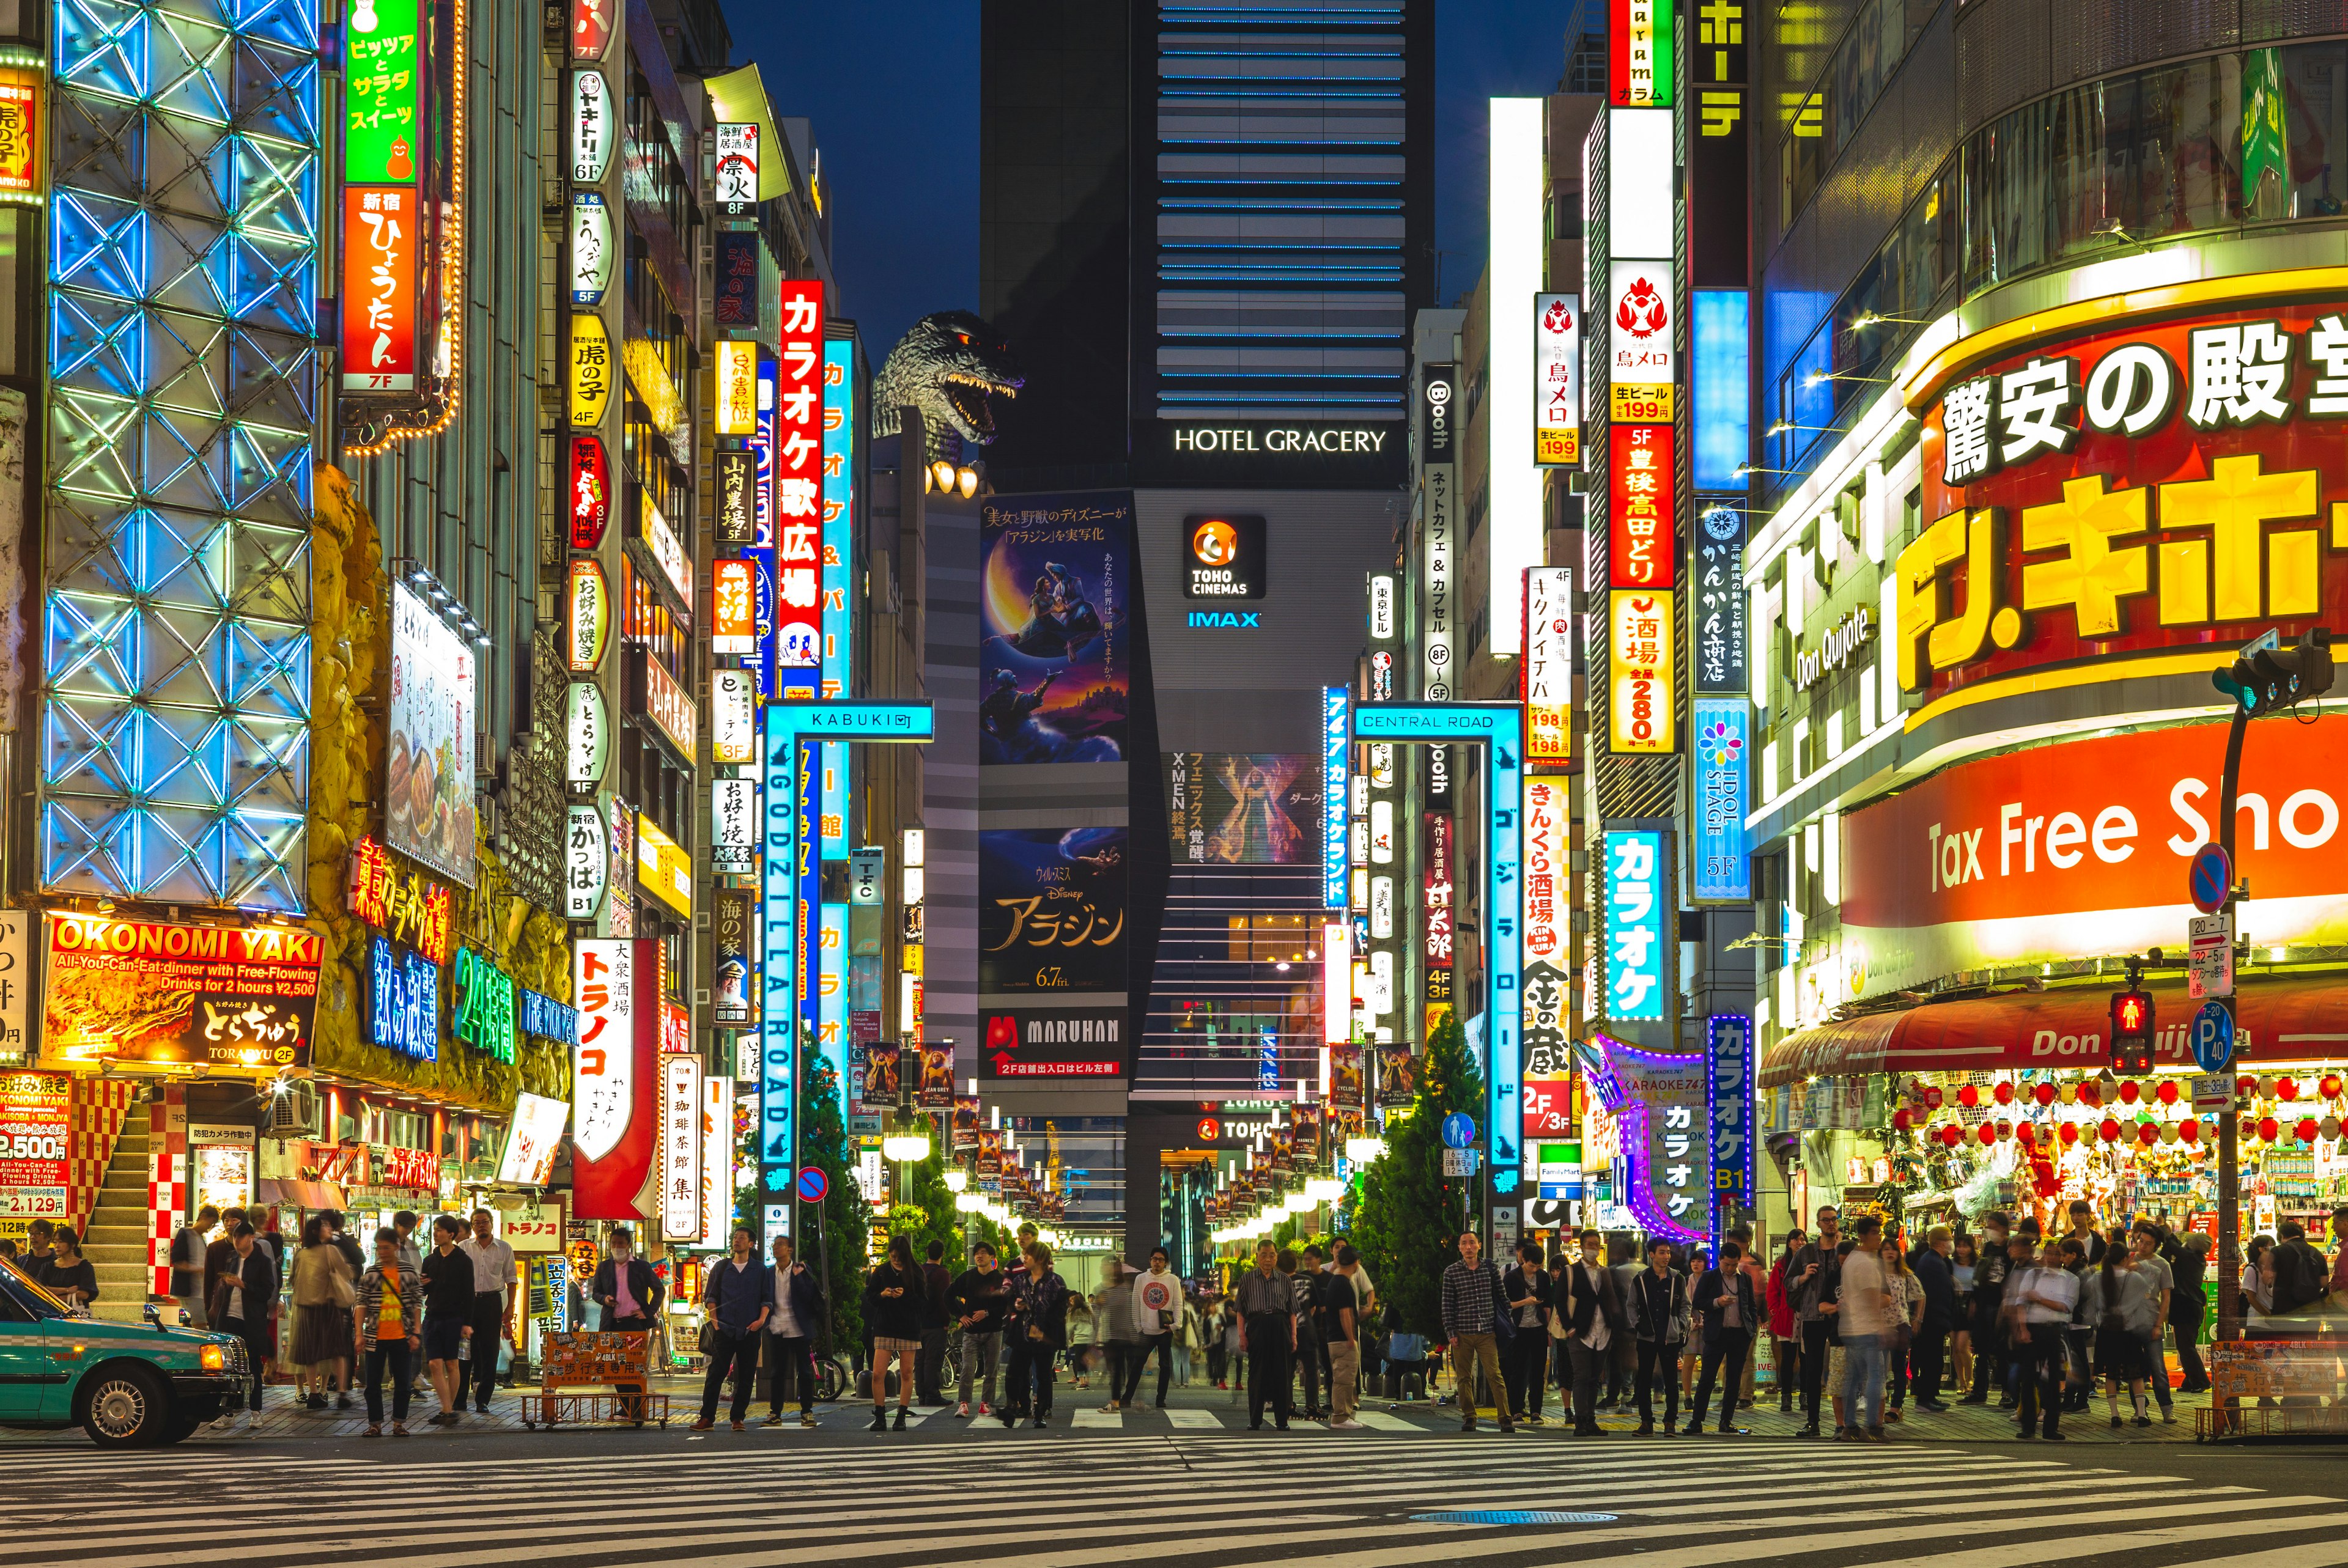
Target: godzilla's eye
[{"x": 965, "y": 337}]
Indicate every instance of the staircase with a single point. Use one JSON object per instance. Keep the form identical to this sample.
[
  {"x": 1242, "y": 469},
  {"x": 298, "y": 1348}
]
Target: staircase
[{"x": 116, "y": 1242}]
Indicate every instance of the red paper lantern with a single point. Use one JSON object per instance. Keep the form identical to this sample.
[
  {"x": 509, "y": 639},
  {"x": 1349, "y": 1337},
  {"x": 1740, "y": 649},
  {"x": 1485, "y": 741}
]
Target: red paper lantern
[
  {"x": 2108, "y": 1131},
  {"x": 1967, "y": 1095},
  {"x": 1952, "y": 1135},
  {"x": 2306, "y": 1130},
  {"x": 2027, "y": 1133},
  {"x": 2286, "y": 1089},
  {"x": 2091, "y": 1094},
  {"x": 2167, "y": 1090},
  {"x": 1988, "y": 1134},
  {"x": 2070, "y": 1132},
  {"x": 1900, "y": 1120},
  {"x": 2043, "y": 1093},
  {"x": 2130, "y": 1091},
  {"x": 2245, "y": 1085},
  {"x": 2005, "y": 1093},
  {"x": 2147, "y": 1132},
  {"x": 2268, "y": 1128},
  {"x": 1932, "y": 1097},
  {"x": 2330, "y": 1086},
  {"x": 2189, "y": 1130}
]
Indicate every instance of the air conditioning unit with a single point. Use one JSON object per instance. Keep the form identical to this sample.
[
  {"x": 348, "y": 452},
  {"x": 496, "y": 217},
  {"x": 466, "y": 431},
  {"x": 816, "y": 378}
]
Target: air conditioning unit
[{"x": 292, "y": 1114}]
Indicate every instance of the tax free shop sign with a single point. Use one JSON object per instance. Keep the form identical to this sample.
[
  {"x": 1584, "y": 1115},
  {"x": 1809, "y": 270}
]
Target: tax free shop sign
[{"x": 2080, "y": 849}]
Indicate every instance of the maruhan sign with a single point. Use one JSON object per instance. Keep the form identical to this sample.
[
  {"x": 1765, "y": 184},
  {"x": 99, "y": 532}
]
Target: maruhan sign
[{"x": 1316, "y": 440}]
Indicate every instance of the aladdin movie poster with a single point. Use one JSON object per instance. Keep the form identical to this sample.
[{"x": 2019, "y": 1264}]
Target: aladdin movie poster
[
  {"x": 1051, "y": 909},
  {"x": 1055, "y": 597}
]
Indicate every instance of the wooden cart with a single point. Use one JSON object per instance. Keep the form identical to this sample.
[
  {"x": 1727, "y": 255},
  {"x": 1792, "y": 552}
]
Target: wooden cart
[{"x": 595, "y": 1379}]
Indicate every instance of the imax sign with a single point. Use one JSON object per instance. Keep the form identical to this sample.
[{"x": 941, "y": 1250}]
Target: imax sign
[{"x": 1233, "y": 619}]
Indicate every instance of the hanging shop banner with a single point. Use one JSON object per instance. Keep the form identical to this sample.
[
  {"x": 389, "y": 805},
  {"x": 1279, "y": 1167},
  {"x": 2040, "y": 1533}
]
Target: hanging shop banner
[
  {"x": 734, "y": 826},
  {"x": 533, "y": 1138},
  {"x": 36, "y": 1145},
  {"x": 1721, "y": 856},
  {"x": 586, "y": 863},
  {"x": 1557, "y": 380},
  {"x": 843, "y": 411},
  {"x": 613, "y": 1083},
  {"x": 732, "y": 610},
  {"x": 1636, "y": 960},
  {"x": 1643, "y": 369},
  {"x": 663, "y": 700},
  {"x": 591, "y": 248},
  {"x": 592, "y": 131},
  {"x": 1056, "y": 621},
  {"x": 1728, "y": 1051},
  {"x": 588, "y": 725},
  {"x": 591, "y": 27},
  {"x": 1548, "y": 905},
  {"x": 680, "y": 1147},
  {"x": 404, "y": 992},
  {"x": 1660, "y": 1103},
  {"x": 622, "y": 829},
  {"x": 737, "y": 375},
  {"x": 1718, "y": 578},
  {"x": 2094, "y": 495},
  {"x": 738, "y": 168},
  {"x": 717, "y": 1145},
  {"x": 1227, "y": 808},
  {"x": 737, "y": 478},
  {"x": 410, "y": 909},
  {"x": 1639, "y": 54},
  {"x": 484, "y": 1013},
  {"x": 1439, "y": 479},
  {"x": 734, "y": 286},
  {"x": 1642, "y": 655},
  {"x": 590, "y": 492},
  {"x": 588, "y": 616},
  {"x": 1547, "y": 674},
  {"x": 1643, "y": 500},
  {"x": 2082, "y": 847},
  {"x": 383, "y": 93},
  {"x": 729, "y": 926},
  {"x": 591, "y": 371},
  {"x": 732, "y": 727},
  {"x": 428, "y": 787},
  {"x": 934, "y": 1091},
  {"x": 1335, "y": 735},
  {"x": 1223, "y": 556},
  {"x": 1088, "y": 1043},
  {"x": 797, "y": 458},
  {"x": 664, "y": 868},
  {"x": 1437, "y": 891},
  {"x": 381, "y": 247},
  {"x": 1051, "y": 909}
]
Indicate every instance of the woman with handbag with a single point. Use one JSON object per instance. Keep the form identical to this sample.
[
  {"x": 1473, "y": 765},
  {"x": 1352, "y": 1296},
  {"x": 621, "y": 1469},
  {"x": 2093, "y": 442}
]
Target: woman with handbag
[
  {"x": 324, "y": 1295},
  {"x": 1907, "y": 1293}
]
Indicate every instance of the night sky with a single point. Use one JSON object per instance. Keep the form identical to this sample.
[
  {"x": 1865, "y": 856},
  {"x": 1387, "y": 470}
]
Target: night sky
[{"x": 893, "y": 92}]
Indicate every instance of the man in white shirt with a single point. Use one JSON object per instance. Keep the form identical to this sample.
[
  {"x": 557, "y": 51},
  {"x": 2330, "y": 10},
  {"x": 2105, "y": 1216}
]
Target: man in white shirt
[
  {"x": 494, "y": 1280},
  {"x": 1865, "y": 1315},
  {"x": 1156, "y": 1317},
  {"x": 2042, "y": 1296},
  {"x": 793, "y": 1323}
]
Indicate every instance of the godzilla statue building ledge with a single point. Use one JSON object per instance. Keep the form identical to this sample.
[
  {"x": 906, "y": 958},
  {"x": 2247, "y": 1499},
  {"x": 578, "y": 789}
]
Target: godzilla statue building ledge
[{"x": 948, "y": 366}]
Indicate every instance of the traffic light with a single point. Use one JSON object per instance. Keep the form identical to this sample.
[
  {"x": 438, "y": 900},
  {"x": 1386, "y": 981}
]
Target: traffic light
[
  {"x": 2274, "y": 679},
  {"x": 2131, "y": 1031}
]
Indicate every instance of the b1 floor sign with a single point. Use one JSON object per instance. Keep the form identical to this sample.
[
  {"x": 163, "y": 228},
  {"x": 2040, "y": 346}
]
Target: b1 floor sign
[{"x": 2213, "y": 1037}]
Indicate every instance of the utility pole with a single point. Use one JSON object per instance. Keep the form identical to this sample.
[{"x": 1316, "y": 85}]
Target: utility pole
[{"x": 2267, "y": 678}]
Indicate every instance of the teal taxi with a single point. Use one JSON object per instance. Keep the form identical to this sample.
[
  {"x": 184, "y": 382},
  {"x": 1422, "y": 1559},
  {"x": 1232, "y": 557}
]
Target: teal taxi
[{"x": 128, "y": 1385}]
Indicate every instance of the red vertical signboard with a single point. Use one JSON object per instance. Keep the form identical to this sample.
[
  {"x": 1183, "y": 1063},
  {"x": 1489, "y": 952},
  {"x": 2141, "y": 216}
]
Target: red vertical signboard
[
  {"x": 380, "y": 248},
  {"x": 1641, "y": 479},
  {"x": 799, "y": 484}
]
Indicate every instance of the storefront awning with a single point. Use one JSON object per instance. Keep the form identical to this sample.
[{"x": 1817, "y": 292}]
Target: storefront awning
[
  {"x": 2294, "y": 1017},
  {"x": 303, "y": 1194}
]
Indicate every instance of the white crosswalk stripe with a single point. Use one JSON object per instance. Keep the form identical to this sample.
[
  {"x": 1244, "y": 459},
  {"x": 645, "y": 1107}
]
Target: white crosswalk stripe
[{"x": 1047, "y": 1500}]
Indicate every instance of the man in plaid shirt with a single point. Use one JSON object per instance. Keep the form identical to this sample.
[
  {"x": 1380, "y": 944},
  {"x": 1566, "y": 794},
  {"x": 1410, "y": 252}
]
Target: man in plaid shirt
[{"x": 1471, "y": 1290}]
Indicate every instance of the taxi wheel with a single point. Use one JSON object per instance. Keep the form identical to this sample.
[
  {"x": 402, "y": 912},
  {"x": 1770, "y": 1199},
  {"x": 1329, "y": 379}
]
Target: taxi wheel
[{"x": 124, "y": 1407}]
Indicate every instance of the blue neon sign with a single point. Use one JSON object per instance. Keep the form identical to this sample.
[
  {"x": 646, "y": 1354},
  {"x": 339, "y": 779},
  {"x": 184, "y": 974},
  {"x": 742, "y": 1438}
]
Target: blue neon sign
[{"x": 1724, "y": 756}]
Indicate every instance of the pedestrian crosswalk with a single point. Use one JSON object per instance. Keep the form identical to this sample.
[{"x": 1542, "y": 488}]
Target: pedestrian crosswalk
[{"x": 1110, "y": 1498}]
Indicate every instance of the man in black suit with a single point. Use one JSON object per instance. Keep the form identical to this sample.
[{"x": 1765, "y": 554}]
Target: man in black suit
[
  {"x": 1593, "y": 1306},
  {"x": 1731, "y": 1314}
]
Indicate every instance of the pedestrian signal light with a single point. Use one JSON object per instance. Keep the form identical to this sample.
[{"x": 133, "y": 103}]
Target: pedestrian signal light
[{"x": 2131, "y": 1031}]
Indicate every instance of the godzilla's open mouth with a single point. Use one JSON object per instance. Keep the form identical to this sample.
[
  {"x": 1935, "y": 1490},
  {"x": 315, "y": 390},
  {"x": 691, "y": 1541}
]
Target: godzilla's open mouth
[{"x": 968, "y": 394}]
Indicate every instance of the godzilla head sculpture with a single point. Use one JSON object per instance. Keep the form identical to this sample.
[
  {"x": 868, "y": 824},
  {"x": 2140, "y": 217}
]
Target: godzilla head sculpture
[{"x": 948, "y": 366}]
